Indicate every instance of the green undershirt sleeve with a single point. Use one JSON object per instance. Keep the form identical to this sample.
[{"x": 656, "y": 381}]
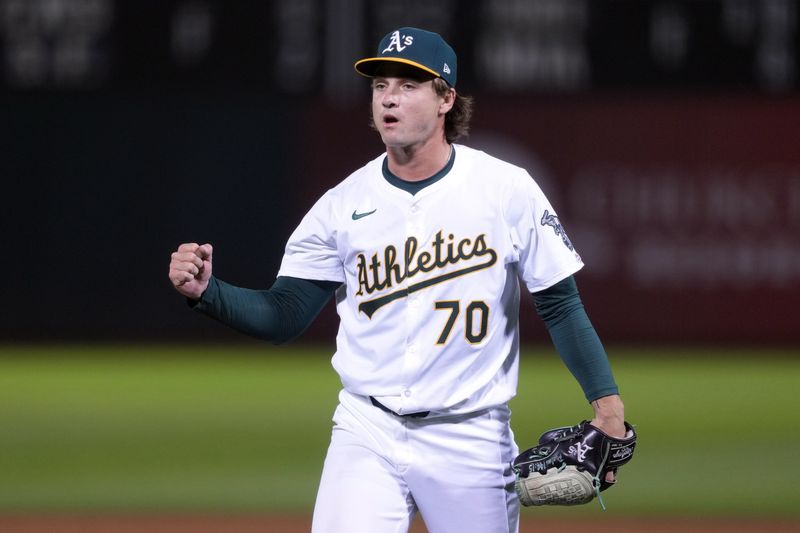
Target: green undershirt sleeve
[
  {"x": 278, "y": 314},
  {"x": 575, "y": 339}
]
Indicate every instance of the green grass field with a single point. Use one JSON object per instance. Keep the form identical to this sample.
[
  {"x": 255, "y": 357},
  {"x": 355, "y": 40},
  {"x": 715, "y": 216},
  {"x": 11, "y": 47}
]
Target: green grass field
[{"x": 244, "y": 428}]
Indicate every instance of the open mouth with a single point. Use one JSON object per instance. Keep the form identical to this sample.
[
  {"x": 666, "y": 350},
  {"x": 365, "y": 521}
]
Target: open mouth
[{"x": 390, "y": 119}]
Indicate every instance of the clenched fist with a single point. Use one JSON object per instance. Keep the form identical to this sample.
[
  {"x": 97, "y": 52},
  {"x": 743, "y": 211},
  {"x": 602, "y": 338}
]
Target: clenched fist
[{"x": 190, "y": 269}]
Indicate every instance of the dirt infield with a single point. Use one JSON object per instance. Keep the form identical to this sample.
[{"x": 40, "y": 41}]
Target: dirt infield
[{"x": 297, "y": 524}]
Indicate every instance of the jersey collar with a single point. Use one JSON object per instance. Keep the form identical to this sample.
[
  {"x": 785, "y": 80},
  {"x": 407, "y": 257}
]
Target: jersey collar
[{"x": 413, "y": 187}]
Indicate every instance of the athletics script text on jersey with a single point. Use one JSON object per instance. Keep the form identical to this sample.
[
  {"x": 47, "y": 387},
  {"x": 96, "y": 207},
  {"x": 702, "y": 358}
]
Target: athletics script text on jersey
[{"x": 376, "y": 275}]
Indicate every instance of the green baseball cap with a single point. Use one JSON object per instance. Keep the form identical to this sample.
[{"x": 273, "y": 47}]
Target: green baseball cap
[{"x": 422, "y": 49}]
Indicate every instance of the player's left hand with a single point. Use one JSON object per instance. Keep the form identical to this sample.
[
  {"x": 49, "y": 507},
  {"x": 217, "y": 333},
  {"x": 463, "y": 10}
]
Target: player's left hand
[
  {"x": 609, "y": 417},
  {"x": 570, "y": 465}
]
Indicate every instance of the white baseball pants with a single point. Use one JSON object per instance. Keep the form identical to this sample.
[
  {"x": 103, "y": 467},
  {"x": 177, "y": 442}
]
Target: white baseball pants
[{"x": 381, "y": 469}]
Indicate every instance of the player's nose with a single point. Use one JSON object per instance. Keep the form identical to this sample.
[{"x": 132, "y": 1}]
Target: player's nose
[{"x": 389, "y": 98}]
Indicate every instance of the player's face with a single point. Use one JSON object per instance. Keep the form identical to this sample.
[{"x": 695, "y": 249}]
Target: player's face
[{"x": 406, "y": 110}]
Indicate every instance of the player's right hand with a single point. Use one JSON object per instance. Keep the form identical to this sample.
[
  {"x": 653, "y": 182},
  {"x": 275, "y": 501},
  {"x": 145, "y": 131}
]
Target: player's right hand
[{"x": 190, "y": 269}]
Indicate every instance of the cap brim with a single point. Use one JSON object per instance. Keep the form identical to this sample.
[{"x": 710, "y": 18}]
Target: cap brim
[{"x": 367, "y": 67}]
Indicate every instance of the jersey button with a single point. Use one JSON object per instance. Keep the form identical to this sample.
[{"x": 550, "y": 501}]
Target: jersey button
[{"x": 407, "y": 393}]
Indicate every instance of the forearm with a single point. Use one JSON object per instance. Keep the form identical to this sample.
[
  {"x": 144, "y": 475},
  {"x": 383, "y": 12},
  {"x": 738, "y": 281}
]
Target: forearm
[
  {"x": 580, "y": 348},
  {"x": 575, "y": 339},
  {"x": 278, "y": 314}
]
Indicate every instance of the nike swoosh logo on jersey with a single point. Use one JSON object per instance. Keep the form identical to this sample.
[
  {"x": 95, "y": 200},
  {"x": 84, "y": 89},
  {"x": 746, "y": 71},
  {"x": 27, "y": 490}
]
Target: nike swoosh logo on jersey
[
  {"x": 369, "y": 307},
  {"x": 356, "y": 216}
]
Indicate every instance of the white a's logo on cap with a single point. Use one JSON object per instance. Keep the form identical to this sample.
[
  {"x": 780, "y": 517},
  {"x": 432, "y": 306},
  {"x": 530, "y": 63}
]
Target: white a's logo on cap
[{"x": 398, "y": 42}]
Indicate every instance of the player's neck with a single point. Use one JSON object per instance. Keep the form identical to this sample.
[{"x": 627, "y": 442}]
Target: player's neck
[{"x": 416, "y": 163}]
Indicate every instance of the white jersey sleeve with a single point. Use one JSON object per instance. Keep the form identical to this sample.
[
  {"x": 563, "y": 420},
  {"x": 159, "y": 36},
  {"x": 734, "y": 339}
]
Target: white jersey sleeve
[
  {"x": 543, "y": 250},
  {"x": 312, "y": 251}
]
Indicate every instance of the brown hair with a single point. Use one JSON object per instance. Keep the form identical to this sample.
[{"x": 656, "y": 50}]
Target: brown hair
[{"x": 456, "y": 121}]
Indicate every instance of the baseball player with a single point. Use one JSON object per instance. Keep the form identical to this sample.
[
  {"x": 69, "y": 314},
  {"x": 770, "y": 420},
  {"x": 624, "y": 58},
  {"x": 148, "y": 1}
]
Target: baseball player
[{"x": 425, "y": 249}]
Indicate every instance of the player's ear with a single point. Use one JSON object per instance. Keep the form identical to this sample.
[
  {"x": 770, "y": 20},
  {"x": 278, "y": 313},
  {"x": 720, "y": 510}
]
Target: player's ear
[{"x": 448, "y": 100}]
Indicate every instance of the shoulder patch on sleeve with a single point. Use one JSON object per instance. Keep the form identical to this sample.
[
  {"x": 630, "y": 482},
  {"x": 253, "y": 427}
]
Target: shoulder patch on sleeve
[{"x": 552, "y": 221}]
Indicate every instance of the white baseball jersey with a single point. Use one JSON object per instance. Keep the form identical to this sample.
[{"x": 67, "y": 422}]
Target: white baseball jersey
[{"x": 431, "y": 281}]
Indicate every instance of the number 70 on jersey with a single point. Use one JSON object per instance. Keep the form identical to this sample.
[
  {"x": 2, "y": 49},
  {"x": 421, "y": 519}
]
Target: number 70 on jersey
[{"x": 476, "y": 319}]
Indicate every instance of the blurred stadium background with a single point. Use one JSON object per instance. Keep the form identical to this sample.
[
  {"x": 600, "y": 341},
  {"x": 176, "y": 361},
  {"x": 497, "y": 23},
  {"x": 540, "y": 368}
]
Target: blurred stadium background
[{"x": 665, "y": 132}]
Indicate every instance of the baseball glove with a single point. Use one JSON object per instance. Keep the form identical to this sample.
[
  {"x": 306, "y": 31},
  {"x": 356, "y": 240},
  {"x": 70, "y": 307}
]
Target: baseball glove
[{"x": 569, "y": 465}]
